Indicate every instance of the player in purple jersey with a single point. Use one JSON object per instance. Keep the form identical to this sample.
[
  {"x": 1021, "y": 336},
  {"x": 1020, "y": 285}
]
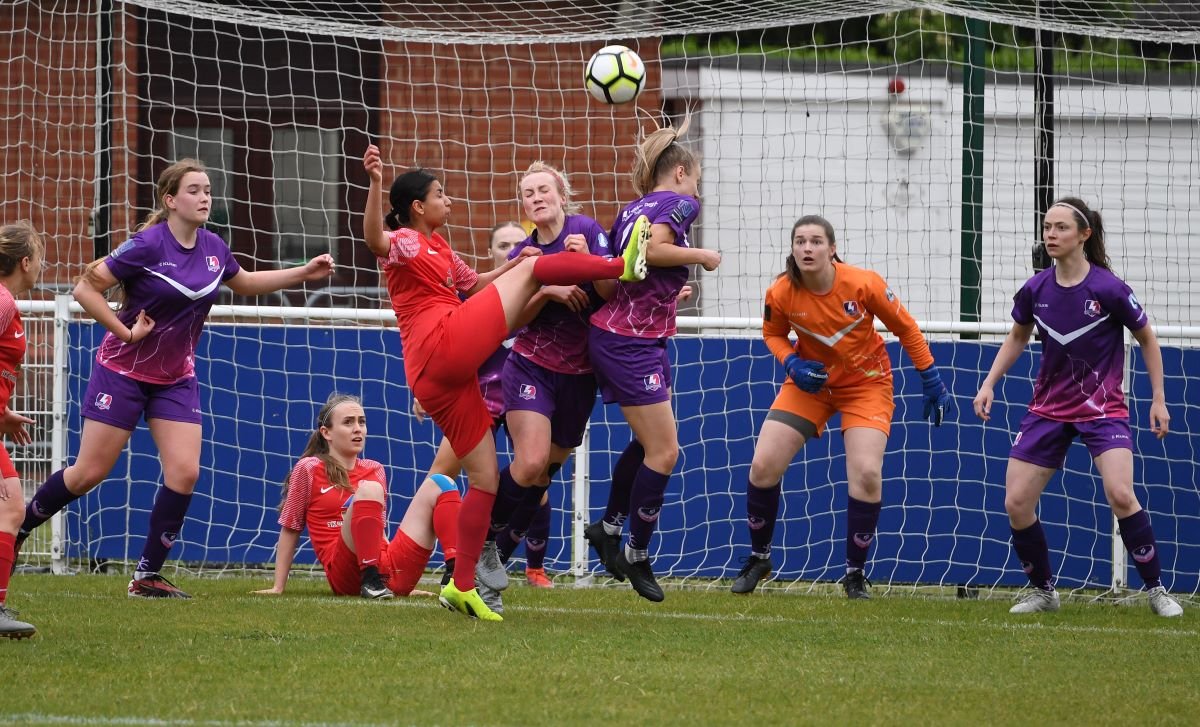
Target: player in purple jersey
[
  {"x": 170, "y": 272},
  {"x": 549, "y": 389},
  {"x": 1080, "y": 309},
  {"x": 628, "y": 343}
]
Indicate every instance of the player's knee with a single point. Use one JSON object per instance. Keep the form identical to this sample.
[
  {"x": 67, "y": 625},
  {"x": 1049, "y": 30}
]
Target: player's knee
[
  {"x": 370, "y": 490},
  {"x": 12, "y": 510},
  {"x": 764, "y": 473},
  {"x": 662, "y": 459},
  {"x": 529, "y": 469},
  {"x": 1123, "y": 501},
  {"x": 1018, "y": 506},
  {"x": 443, "y": 483}
]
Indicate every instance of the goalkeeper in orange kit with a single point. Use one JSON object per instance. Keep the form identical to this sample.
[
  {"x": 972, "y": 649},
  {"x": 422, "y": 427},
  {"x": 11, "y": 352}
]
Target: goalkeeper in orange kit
[{"x": 838, "y": 364}]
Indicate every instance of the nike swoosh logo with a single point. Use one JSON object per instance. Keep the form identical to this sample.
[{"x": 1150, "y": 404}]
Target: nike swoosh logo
[
  {"x": 19, "y": 334},
  {"x": 827, "y": 340},
  {"x": 193, "y": 294},
  {"x": 327, "y": 489},
  {"x": 1065, "y": 338},
  {"x": 431, "y": 251}
]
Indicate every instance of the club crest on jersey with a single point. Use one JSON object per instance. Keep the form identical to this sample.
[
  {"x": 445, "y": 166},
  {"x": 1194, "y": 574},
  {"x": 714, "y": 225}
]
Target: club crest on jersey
[
  {"x": 653, "y": 382},
  {"x": 103, "y": 401},
  {"x": 213, "y": 263},
  {"x": 851, "y": 308},
  {"x": 682, "y": 211},
  {"x": 528, "y": 392},
  {"x": 1092, "y": 308}
]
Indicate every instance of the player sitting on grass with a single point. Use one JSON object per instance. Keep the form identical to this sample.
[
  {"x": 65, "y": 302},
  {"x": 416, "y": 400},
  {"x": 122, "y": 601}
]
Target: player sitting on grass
[{"x": 340, "y": 498}]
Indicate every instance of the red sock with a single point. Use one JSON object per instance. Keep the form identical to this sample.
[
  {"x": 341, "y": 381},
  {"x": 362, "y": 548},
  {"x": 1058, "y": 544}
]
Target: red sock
[
  {"x": 366, "y": 527},
  {"x": 8, "y": 542},
  {"x": 473, "y": 519},
  {"x": 445, "y": 522},
  {"x": 576, "y": 268}
]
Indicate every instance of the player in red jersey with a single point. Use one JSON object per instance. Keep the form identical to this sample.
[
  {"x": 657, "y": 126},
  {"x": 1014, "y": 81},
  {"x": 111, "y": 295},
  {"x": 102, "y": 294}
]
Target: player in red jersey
[
  {"x": 21, "y": 251},
  {"x": 445, "y": 339},
  {"x": 340, "y": 499}
]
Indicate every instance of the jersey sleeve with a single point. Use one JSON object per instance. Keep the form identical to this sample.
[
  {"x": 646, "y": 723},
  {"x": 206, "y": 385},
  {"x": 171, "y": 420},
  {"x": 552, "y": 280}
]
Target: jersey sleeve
[
  {"x": 678, "y": 214},
  {"x": 1022, "y": 310},
  {"x": 775, "y": 327},
  {"x": 1119, "y": 300},
  {"x": 129, "y": 259},
  {"x": 8, "y": 311},
  {"x": 299, "y": 494},
  {"x": 402, "y": 247},
  {"x": 465, "y": 277},
  {"x": 883, "y": 302}
]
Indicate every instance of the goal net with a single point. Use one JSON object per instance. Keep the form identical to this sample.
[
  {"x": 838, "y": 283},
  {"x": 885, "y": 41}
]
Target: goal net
[{"x": 914, "y": 127}]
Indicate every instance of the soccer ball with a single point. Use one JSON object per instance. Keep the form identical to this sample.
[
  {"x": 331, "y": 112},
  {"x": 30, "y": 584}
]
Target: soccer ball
[{"x": 615, "y": 74}]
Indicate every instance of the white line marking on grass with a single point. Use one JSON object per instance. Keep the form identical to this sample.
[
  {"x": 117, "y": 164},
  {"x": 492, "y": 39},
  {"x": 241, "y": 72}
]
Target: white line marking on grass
[
  {"x": 37, "y": 718},
  {"x": 427, "y": 602}
]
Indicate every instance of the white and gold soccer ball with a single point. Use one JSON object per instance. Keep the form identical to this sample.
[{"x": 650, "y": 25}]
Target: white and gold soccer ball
[{"x": 615, "y": 74}]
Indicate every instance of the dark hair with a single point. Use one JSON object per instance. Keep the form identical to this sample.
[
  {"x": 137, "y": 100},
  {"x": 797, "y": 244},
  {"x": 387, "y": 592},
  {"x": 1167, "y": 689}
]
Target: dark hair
[
  {"x": 1087, "y": 218},
  {"x": 790, "y": 268},
  {"x": 318, "y": 446},
  {"x": 407, "y": 188}
]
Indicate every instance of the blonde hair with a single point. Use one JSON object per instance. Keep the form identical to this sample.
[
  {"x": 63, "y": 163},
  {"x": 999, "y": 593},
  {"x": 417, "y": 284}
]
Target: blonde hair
[
  {"x": 168, "y": 183},
  {"x": 658, "y": 154},
  {"x": 318, "y": 446},
  {"x": 560, "y": 181},
  {"x": 18, "y": 241}
]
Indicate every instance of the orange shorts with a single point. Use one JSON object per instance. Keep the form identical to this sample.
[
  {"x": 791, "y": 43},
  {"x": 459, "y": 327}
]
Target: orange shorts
[
  {"x": 448, "y": 385},
  {"x": 7, "y": 469},
  {"x": 868, "y": 405},
  {"x": 401, "y": 562}
]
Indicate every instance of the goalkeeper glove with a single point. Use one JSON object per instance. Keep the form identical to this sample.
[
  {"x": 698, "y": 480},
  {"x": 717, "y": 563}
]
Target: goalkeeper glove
[
  {"x": 934, "y": 394},
  {"x": 809, "y": 375}
]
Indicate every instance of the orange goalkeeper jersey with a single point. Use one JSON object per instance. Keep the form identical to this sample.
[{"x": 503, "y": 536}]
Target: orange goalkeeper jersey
[{"x": 838, "y": 328}]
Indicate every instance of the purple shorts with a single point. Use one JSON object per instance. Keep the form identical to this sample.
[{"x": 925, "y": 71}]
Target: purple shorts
[
  {"x": 565, "y": 399},
  {"x": 631, "y": 371},
  {"x": 120, "y": 401},
  {"x": 1044, "y": 442}
]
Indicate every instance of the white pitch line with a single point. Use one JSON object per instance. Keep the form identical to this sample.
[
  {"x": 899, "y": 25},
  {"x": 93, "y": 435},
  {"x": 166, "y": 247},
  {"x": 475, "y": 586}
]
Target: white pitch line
[
  {"x": 38, "y": 718},
  {"x": 427, "y": 602}
]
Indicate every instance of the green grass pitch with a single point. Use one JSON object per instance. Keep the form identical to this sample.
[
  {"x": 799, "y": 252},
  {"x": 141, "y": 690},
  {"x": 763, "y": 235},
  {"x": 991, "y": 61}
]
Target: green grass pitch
[{"x": 584, "y": 656}]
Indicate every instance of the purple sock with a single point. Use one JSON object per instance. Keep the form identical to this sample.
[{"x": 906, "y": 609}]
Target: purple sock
[
  {"x": 861, "y": 519},
  {"x": 762, "y": 509},
  {"x": 508, "y": 496},
  {"x": 536, "y": 537},
  {"x": 645, "y": 504},
  {"x": 166, "y": 519},
  {"x": 624, "y": 472},
  {"x": 518, "y": 524},
  {"x": 1138, "y": 537},
  {"x": 50, "y": 498},
  {"x": 1034, "y": 554}
]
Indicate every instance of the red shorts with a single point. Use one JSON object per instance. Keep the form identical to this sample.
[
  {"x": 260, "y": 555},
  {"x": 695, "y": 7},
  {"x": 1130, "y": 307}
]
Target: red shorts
[
  {"x": 7, "y": 470},
  {"x": 401, "y": 562},
  {"x": 447, "y": 386}
]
